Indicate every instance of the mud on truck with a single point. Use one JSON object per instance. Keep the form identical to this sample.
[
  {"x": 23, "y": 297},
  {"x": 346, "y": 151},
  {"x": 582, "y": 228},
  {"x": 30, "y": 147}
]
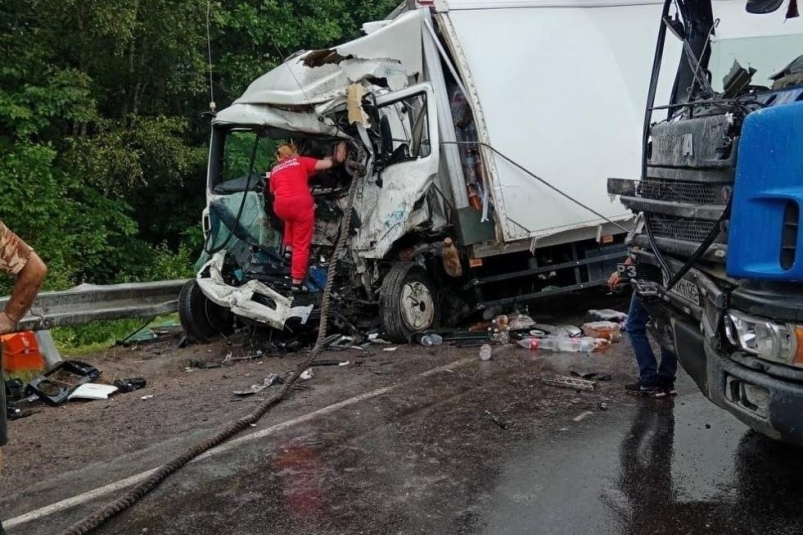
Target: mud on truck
[
  {"x": 449, "y": 109},
  {"x": 717, "y": 241}
]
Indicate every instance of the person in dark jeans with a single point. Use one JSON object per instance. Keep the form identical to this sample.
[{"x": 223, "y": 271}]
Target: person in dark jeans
[
  {"x": 17, "y": 260},
  {"x": 656, "y": 380}
]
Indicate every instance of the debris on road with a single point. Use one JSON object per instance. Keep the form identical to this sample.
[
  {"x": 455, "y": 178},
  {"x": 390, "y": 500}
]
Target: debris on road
[
  {"x": 431, "y": 339},
  {"x": 608, "y": 330},
  {"x": 375, "y": 339},
  {"x": 270, "y": 380},
  {"x": 495, "y": 419},
  {"x": 602, "y": 406},
  {"x": 593, "y": 376},
  {"x": 342, "y": 343},
  {"x": 564, "y": 344},
  {"x": 582, "y": 416},
  {"x": 92, "y": 391},
  {"x": 486, "y": 352},
  {"x": 306, "y": 374},
  {"x": 562, "y": 381},
  {"x": 521, "y": 322},
  {"x": 608, "y": 314},
  {"x": 330, "y": 362},
  {"x": 147, "y": 397},
  {"x": 571, "y": 330},
  {"x": 129, "y": 385},
  {"x": 389, "y": 349},
  {"x": 202, "y": 365},
  {"x": 54, "y": 386}
]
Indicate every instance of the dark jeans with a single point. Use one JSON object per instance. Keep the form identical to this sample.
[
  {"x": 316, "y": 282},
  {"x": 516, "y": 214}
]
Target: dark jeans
[{"x": 649, "y": 370}]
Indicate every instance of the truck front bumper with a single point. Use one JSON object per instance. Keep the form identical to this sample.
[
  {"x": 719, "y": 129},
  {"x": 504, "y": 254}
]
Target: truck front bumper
[
  {"x": 736, "y": 382},
  {"x": 269, "y": 307}
]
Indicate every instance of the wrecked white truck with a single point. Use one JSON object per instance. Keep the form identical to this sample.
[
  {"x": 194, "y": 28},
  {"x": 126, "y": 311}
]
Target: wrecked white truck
[{"x": 491, "y": 123}]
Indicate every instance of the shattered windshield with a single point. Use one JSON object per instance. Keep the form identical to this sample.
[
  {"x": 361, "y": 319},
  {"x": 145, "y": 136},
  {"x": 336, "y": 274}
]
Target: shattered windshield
[
  {"x": 764, "y": 42},
  {"x": 768, "y": 55}
]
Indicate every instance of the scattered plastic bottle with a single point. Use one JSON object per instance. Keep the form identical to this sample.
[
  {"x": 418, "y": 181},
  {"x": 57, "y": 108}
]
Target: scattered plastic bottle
[
  {"x": 485, "y": 352},
  {"x": 533, "y": 344},
  {"x": 431, "y": 339},
  {"x": 576, "y": 345}
]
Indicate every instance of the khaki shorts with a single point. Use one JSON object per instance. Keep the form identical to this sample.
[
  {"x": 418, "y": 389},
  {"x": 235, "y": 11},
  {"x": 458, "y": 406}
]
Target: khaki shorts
[{"x": 3, "y": 423}]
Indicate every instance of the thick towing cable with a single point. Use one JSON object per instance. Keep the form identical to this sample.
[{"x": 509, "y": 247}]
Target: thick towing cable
[{"x": 132, "y": 496}]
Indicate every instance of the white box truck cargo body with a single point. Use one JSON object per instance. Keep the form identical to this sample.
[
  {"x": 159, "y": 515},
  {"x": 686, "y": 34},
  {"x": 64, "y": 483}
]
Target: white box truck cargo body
[
  {"x": 494, "y": 123},
  {"x": 558, "y": 87}
]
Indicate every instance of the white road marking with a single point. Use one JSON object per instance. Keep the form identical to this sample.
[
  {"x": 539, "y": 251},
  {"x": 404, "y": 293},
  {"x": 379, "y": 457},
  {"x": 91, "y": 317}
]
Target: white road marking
[{"x": 133, "y": 480}]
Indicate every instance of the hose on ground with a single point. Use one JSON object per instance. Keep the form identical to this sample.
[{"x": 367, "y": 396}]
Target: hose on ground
[{"x": 108, "y": 511}]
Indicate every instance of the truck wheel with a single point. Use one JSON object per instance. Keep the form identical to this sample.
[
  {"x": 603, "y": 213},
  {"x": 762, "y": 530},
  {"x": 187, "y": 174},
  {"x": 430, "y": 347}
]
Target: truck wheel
[
  {"x": 408, "y": 302},
  {"x": 201, "y": 319}
]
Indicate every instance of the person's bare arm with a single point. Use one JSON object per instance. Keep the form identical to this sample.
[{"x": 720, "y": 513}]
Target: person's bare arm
[
  {"x": 25, "y": 290},
  {"x": 326, "y": 163},
  {"x": 339, "y": 156}
]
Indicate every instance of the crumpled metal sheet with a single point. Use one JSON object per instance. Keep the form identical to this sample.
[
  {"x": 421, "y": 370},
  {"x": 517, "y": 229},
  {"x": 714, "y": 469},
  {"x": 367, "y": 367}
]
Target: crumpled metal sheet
[
  {"x": 260, "y": 114},
  {"x": 240, "y": 299},
  {"x": 392, "y": 52}
]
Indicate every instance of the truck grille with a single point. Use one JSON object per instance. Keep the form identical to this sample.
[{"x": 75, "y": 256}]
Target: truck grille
[
  {"x": 694, "y": 230},
  {"x": 678, "y": 191}
]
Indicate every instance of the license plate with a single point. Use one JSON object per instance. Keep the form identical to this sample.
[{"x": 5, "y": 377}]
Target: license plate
[
  {"x": 627, "y": 271},
  {"x": 685, "y": 289}
]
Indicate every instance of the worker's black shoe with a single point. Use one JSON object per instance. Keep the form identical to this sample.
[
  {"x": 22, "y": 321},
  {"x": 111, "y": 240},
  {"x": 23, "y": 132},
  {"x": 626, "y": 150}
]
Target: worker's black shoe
[
  {"x": 640, "y": 389},
  {"x": 298, "y": 288},
  {"x": 666, "y": 388}
]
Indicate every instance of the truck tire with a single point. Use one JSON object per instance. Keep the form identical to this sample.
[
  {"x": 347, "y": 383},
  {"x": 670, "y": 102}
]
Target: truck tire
[
  {"x": 408, "y": 302},
  {"x": 201, "y": 319}
]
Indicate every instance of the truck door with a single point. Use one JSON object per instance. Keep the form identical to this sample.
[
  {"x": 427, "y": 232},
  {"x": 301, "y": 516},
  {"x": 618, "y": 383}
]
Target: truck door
[{"x": 405, "y": 142}]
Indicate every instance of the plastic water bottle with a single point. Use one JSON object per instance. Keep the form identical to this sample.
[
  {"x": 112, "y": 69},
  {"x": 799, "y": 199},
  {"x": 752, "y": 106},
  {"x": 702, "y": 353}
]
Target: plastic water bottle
[
  {"x": 431, "y": 339},
  {"x": 485, "y": 352},
  {"x": 532, "y": 344},
  {"x": 550, "y": 343},
  {"x": 576, "y": 345}
]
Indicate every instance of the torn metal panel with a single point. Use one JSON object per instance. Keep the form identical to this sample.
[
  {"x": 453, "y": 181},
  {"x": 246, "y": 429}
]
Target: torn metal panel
[
  {"x": 241, "y": 299},
  {"x": 392, "y": 52},
  {"x": 389, "y": 212},
  {"x": 260, "y": 115},
  {"x": 356, "y": 113}
]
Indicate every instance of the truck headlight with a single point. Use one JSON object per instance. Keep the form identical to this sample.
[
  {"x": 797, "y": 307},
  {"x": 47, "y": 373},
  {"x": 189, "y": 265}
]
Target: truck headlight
[{"x": 763, "y": 338}]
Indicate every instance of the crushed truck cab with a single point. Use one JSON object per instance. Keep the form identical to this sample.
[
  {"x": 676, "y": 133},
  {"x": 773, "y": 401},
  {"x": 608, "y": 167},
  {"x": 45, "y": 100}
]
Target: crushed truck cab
[{"x": 511, "y": 168}]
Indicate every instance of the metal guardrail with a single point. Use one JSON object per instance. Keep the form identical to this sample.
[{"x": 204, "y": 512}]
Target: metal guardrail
[{"x": 87, "y": 303}]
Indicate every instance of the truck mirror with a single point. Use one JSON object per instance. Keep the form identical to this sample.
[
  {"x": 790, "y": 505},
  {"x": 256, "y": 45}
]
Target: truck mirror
[{"x": 762, "y": 7}]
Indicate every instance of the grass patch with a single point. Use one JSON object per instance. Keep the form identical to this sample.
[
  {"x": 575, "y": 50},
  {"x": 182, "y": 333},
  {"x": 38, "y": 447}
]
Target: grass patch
[{"x": 101, "y": 335}]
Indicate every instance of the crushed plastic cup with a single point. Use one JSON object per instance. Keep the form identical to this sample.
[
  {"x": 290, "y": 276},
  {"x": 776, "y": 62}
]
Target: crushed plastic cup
[{"x": 486, "y": 352}]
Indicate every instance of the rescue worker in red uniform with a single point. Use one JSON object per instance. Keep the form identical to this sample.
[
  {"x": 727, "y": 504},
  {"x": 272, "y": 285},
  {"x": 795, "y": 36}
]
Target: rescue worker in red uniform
[{"x": 293, "y": 202}]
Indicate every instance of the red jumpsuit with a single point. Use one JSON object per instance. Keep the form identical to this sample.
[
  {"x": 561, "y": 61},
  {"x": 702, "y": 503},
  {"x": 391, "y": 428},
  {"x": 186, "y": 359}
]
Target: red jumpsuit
[{"x": 293, "y": 204}]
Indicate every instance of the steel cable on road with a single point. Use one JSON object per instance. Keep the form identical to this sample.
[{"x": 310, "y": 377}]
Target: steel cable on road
[{"x": 108, "y": 511}]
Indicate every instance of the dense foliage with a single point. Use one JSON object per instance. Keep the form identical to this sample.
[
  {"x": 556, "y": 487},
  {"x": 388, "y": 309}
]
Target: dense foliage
[{"x": 102, "y": 141}]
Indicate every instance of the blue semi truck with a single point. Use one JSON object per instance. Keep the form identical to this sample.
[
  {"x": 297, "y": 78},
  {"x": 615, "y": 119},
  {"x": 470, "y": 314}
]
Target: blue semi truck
[{"x": 718, "y": 242}]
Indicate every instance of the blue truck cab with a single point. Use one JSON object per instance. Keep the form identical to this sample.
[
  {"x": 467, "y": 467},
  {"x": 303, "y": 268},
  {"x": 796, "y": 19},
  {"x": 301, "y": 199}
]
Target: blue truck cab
[{"x": 718, "y": 239}]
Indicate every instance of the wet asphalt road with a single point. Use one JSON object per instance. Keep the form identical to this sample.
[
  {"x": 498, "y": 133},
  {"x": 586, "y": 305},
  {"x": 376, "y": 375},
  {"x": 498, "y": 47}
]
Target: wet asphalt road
[{"x": 426, "y": 459}]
